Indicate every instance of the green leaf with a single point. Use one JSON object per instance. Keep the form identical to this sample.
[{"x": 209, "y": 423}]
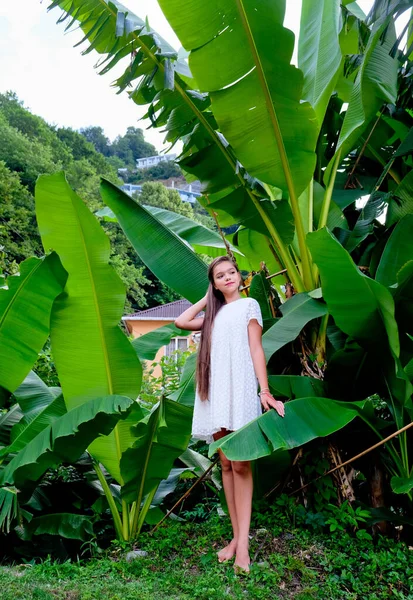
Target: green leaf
[
  {"x": 168, "y": 485},
  {"x": 305, "y": 419},
  {"x": 397, "y": 252},
  {"x": 160, "y": 437},
  {"x": 260, "y": 290},
  {"x": 402, "y": 201},
  {"x": 9, "y": 508},
  {"x": 297, "y": 312},
  {"x": 296, "y": 386},
  {"x": 319, "y": 53},
  {"x": 8, "y": 420},
  {"x": 147, "y": 345},
  {"x": 185, "y": 394},
  {"x": 401, "y": 485},
  {"x": 26, "y": 304},
  {"x": 201, "y": 239},
  {"x": 65, "y": 525},
  {"x": 65, "y": 439},
  {"x": 373, "y": 208},
  {"x": 360, "y": 306},
  {"x": 168, "y": 257},
  {"x": 375, "y": 84},
  {"x": 248, "y": 102},
  {"x": 40, "y": 408},
  {"x": 200, "y": 464},
  {"x": 93, "y": 357}
]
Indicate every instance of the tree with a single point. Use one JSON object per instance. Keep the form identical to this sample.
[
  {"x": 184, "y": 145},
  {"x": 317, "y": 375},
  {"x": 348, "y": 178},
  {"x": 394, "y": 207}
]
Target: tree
[
  {"x": 17, "y": 222},
  {"x": 156, "y": 194},
  {"x": 132, "y": 146},
  {"x": 271, "y": 166},
  {"x": 96, "y": 136},
  {"x": 39, "y": 148}
]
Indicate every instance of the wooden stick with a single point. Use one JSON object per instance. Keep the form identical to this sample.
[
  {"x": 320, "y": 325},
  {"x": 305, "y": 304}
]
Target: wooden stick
[
  {"x": 354, "y": 458},
  {"x": 186, "y": 494}
]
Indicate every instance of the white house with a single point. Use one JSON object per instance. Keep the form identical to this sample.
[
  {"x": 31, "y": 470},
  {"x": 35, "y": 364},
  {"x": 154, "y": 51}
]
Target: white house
[{"x": 151, "y": 161}]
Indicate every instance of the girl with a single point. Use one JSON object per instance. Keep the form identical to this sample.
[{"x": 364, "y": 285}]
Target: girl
[{"x": 230, "y": 360}]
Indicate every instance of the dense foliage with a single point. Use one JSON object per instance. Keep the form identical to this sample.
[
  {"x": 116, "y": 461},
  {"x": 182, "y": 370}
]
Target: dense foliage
[
  {"x": 30, "y": 147},
  {"x": 319, "y": 188}
]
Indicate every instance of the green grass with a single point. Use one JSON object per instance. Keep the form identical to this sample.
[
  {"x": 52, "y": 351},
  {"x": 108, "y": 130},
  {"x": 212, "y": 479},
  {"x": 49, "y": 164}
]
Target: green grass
[{"x": 181, "y": 565}]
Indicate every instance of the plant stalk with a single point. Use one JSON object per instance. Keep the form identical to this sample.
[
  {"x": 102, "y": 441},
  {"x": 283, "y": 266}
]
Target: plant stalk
[
  {"x": 111, "y": 501},
  {"x": 305, "y": 257}
]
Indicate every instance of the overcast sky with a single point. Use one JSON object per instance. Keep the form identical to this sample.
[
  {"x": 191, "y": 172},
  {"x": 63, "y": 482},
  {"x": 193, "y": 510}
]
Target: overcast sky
[{"x": 53, "y": 80}]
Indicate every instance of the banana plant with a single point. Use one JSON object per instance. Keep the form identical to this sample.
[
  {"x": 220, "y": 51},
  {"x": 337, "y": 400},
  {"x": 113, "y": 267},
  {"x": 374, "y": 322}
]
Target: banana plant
[{"x": 269, "y": 143}]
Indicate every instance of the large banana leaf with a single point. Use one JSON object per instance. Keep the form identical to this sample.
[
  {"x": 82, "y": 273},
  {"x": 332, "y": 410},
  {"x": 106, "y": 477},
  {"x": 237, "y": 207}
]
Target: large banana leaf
[
  {"x": 305, "y": 419},
  {"x": 319, "y": 53},
  {"x": 65, "y": 439},
  {"x": 164, "y": 253},
  {"x": 161, "y": 437},
  {"x": 297, "y": 312},
  {"x": 93, "y": 357},
  {"x": 66, "y": 525},
  {"x": 40, "y": 406},
  {"x": 201, "y": 239},
  {"x": 360, "y": 306},
  {"x": 296, "y": 386},
  {"x": 397, "y": 252},
  {"x": 25, "y": 306},
  {"x": 147, "y": 345},
  {"x": 117, "y": 33},
  {"x": 239, "y": 56},
  {"x": 375, "y": 84}
]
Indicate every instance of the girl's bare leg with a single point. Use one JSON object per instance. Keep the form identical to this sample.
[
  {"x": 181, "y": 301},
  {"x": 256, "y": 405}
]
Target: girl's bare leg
[
  {"x": 242, "y": 476},
  {"x": 228, "y": 482}
]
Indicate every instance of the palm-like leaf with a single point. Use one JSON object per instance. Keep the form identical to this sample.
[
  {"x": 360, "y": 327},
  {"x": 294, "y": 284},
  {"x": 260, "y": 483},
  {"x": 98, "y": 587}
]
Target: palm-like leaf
[
  {"x": 397, "y": 252},
  {"x": 27, "y": 303},
  {"x": 253, "y": 110},
  {"x": 305, "y": 419},
  {"x": 297, "y": 312},
  {"x": 349, "y": 292},
  {"x": 92, "y": 355},
  {"x": 171, "y": 259},
  {"x": 147, "y": 345},
  {"x": 319, "y": 53},
  {"x": 375, "y": 84},
  {"x": 65, "y": 439},
  {"x": 161, "y": 437},
  {"x": 66, "y": 525},
  {"x": 40, "y": 407}
]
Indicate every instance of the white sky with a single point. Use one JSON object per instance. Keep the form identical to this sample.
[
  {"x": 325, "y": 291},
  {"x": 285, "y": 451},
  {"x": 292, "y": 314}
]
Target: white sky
[{"x": 39, "y": 63}]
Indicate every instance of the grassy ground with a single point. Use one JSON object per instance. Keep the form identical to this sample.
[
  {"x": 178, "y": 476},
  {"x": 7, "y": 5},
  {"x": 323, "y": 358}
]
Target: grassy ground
[{"x": 181, "y": 565}]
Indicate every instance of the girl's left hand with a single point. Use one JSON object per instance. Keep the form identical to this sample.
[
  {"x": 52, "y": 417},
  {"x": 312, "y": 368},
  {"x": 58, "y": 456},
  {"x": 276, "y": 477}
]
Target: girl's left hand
[{"x": 268, "y": 401}]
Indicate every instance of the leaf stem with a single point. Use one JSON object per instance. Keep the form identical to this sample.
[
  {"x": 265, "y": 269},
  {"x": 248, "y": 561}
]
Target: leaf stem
[
  {"x": 111, "y": 501},
  {"x": 305, "y": 257}
]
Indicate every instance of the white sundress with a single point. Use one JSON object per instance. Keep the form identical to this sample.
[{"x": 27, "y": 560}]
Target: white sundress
[{"x": 233, "y": 399}]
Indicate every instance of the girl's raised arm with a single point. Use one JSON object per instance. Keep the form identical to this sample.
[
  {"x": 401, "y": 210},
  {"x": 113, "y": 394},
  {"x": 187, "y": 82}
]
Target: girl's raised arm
[{"x": 188, "y": 318}]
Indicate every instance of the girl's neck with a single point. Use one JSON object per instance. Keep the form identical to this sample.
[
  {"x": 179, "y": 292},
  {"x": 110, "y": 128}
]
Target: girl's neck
[{"x": 232, "y": 298}]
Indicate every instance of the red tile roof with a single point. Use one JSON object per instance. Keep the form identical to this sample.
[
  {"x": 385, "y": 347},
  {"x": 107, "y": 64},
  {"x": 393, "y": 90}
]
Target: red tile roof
[{"x": 164, "y": 312}]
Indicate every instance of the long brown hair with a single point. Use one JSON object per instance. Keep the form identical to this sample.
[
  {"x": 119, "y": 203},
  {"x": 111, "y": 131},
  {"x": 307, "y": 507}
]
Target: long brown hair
[{"x": 215, "y": 301}]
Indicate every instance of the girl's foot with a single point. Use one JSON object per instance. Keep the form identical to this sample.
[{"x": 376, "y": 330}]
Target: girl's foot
[
  {"x": 228, "y": 552},
  {"x": 242, "y": 561}
]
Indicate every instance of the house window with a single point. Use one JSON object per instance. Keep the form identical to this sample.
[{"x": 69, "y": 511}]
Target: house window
[{"x": 177, "y": 343}]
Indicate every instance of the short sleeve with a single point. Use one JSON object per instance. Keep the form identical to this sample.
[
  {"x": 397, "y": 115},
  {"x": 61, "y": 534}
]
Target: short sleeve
[{"x": 254, "y": 311}]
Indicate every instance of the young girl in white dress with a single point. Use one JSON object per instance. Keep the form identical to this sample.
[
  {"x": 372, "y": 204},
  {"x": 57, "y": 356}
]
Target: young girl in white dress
[{"x": 231, "y": 362}]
